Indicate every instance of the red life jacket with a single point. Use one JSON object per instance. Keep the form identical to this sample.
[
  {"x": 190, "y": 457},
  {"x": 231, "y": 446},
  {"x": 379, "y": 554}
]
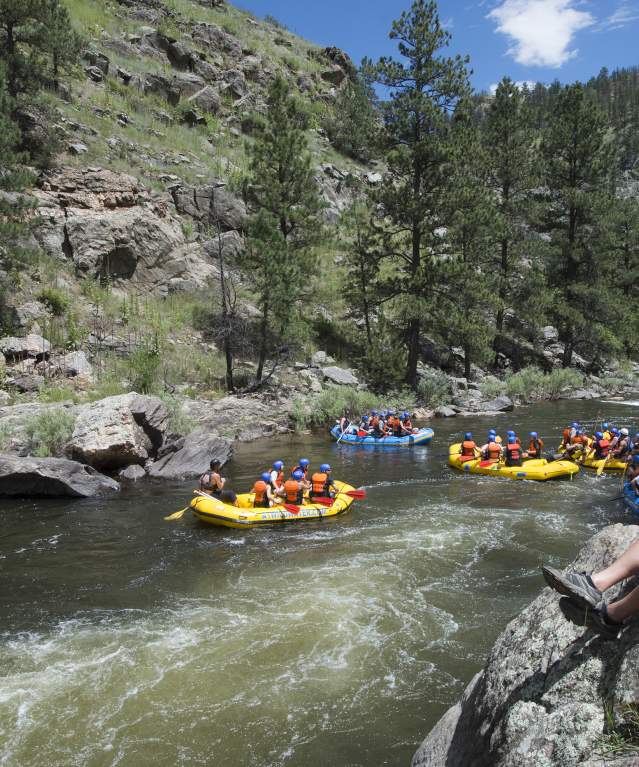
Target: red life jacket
[
  {"x": 513, "y": 452},
  {"x": 566, "y": 434},
  {"x": 279, "y": 481},
  {"x": 602, "y": 448},
  {"x": 320, "y": 484},
  {"x": 374, "y": 422},
  {"x": 468, "y": 448},
  {"x": 294, "y": 491}
]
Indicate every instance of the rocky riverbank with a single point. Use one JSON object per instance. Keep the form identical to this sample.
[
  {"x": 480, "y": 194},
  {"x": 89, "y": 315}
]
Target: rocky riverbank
[{"x": 550, "y": 691}]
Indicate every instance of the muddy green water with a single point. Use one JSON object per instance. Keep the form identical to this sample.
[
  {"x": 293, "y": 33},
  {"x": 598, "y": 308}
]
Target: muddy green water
[{"x": 127, "y": 640}]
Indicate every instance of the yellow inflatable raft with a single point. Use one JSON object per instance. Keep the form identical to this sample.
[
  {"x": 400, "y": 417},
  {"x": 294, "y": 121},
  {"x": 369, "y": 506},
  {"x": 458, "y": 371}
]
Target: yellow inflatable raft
[
  {"x": 536, "y": 469},
  {"x": 213, "y": 512},
  {"x": 612, "y": 464}
]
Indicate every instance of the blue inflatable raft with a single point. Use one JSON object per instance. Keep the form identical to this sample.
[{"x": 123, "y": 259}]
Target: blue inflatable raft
[
  {"x": 630, "y": 498},
  {"x": 421, "y": 437}
]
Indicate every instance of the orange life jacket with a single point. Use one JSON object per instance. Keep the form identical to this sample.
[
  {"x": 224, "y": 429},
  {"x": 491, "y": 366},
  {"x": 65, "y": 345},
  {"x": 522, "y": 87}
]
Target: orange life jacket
[
  {"x": 566, "y": 435},
  {"x": 396, "y": 426},
  {"x": 535, "y": 448},
  {"x": 408, "y": 425},
  {"x": 468, "y": 448},
  {"x": 494, "y": 451},
  {"x": 602, "y": 448},
  {"x": 294, "y": 491},
  {"x": 320, "y": 484},
  {"x": 374, "y": 422},
  {"x": 279, "y": 481},
  {"x": 259, "y": 488},
  {"x": 513, "y": 452}
]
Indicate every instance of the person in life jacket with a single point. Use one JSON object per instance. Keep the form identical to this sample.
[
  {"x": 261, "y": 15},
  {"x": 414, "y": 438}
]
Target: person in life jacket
[
  {"x": 536, "y": 446},
  {"x": 293, "y": 489},
  {"x": 363, "y": 428},
  {"x": 614, "y": 438},
  {"x": 579, "y": 444},
  {"x": 513, "y": 452},
  {"x": 263, "y": 492},
  {"x": 607, "y": 431},
  {"x": 621, "y": 449},
  {"x": 569, "y": 434},
  {"x": 494, "y": 451},
  {"x": 407, "y": 424},
  {"x": 600, "y": 447},
  {"x": 469, "y": 450},
  {"x": 374, "y": 424},
  {"x": 492, "y": 436},
  {"x": 511, "y": 434},
  {"x": 212, "y": 483},
  {"x": 322, "y": 484},
  {"x": 277, "y": 476},
  {"x": 396, "y": 426}
]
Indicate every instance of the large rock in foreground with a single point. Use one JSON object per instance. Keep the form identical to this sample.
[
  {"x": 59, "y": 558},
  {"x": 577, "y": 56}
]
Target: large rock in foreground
[
  {"x": 194, "y": 456},
  {"x": 541, "y": 700},
  {"x": 51, "y": 477},
  {"x": 119, "y": 431}
]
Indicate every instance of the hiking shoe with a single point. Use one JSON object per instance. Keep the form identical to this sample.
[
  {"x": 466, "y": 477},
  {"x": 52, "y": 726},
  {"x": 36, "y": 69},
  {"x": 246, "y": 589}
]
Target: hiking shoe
[
  {"x": 595, "y": 618},
  {"x": 576, "y": 586}
]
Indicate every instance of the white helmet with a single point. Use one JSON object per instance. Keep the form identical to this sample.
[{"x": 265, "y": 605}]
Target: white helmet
[{"x": 625, "y": 432}]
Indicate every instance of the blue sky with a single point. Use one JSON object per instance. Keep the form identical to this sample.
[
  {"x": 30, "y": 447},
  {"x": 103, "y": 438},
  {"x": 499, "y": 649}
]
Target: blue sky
[{"x": 529, "y": 40}]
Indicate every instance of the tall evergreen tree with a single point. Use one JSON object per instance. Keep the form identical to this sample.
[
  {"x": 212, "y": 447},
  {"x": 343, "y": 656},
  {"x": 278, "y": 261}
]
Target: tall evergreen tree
[
  {"x": 286, "y": 224},
  {"x": 468, "y": 280},
  {"x": 578, "y": 165},
  {"x": 424, "y": 88},
  {"x": 623, "y": 241},
  {"x": 353, "y": 126},
  {"x": 509, "y": 143}
]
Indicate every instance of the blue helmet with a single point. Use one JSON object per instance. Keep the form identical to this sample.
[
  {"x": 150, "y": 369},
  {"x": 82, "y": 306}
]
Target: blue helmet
[
  {"x": 278, "y": 465},
  {"x": 637, "y": 435},
  {"x": 405, "y": 414},
  {"x": 468, "y": 435},
  {"x": 614, "y": 430},
  {"x": 298, "y": 474},
  {"x": 510, "y": 433},
  {"x": 635, "y": 459},
  {"x": 605, "y": 425},
  {"x": 534, "y": 434},
  {"x": 266, "y": 477},
  {"x": 373, "y": 412},
  {"x": 364, "y": 418},
  {"x": 574, "y": 425},
  {"x": 390, "y": 412},
  {"x": 304, "y": 462},
  {"x": 599, "y": 435},
  {"x": 325, "y": 468},
  {"x": 512, "y": 440},
  {"x": 492, "y": 431},
  {"x": 579, "y": 432}
]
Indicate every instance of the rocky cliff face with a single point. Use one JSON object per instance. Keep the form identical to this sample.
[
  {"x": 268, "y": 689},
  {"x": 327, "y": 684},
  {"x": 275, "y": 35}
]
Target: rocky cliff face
[{"x": 543, "y": 698}]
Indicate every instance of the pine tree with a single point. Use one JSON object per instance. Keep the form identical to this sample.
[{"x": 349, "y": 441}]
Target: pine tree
[
  {"x": 287, "y": 221},
  {"x": 578, "y": 165},
  {"x": 424, "y": 88},
  {"x": 509, "y": 148},
  {"x": 362, "y": 258},
  {"x": 467, "y": 277},
  {"x": 353, "y": 126}
]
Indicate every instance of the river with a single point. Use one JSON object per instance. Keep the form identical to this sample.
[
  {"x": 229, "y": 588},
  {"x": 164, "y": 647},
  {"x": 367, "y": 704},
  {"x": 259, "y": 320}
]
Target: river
[{"x": 127, "y": 640}]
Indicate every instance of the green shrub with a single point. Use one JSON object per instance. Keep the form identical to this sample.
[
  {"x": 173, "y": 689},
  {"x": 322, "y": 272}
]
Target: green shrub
[
  {"x": 621, "y": 734},
  {"x": 434, "y": 388},
  {"x": 145, "y": 363},
  {"x": 179, "y": 422},
  {"x": 336, "y": 400},
  {"x": 491, "y": 387},
  {"x": 301, "y": 414},
  {"x": 57, "y": 394},
  {"x": 531, "y": 383},
  {"x": 54, "y": 299},
  {"x": 48, "y": 432}
]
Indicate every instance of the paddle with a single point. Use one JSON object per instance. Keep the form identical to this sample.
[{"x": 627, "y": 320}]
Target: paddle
[
  {"x": 177, "y": 515},
  {"x": 358, "y": 495},
  {"x": 602, "y": 465},
  {"x": 290, "y": 507}
]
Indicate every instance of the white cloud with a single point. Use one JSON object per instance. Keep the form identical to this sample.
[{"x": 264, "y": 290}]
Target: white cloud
[
  {"x": 519, "y": 83},
  {"x": 624, "y": 14},
  {"x": 541, "y": 31}
]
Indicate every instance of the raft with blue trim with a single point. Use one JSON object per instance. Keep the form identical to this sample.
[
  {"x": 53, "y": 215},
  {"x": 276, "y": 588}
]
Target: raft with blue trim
[
  {"x": 538, "y": 469},
  {"x": 420, "y": 437},
  {"x": 630, "y": 498},
  {"x": 212, "y": 511}
]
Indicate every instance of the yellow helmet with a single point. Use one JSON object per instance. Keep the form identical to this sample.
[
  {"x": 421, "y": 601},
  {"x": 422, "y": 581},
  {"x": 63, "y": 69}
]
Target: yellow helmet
[{"x": 498, "y": 440}]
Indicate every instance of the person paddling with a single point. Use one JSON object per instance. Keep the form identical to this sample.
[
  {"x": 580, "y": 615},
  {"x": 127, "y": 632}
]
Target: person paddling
[
  {"x": 212, "y": 483},
  {"x": 494, "y": 451},
  {"x": 302, "y": 466},
  {"x": 469, "y": 450},
  {"x": 294, "y": 487},
  {"x": 263, "y": 493},
  {"x": 600, "y": 447},
  {"x": 512, "y": 452},
  {"x": 322, "y": 484},
  {"x": 492, "y": 437},
  {"x": 407, "y": 424},
  {"x": 621, "y": 450},
  {"x": 536, "y": 446},
  {"x": 277, "y": 476}
]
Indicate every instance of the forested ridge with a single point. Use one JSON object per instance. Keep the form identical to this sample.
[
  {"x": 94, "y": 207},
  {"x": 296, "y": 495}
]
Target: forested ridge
[{"x": 462, "y": 231}]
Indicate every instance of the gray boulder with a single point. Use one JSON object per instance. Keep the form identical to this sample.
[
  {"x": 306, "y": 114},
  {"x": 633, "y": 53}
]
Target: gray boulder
[
  {"x": 207, "y": 99},
  {"x": 132, "y": 473},
  {"x": 234, "y": 82},
  {"x": 444, "y": 411},
  {"x": 320, "y": 359},
  {"x": 192, "y": 459},
  {"x": 501, "y": 404},
  {"x": 339, "y": 376},
  {"x": 211, "y": 205},
  {"x": 541, "y": 699},
  {"x": 71, "y": 365},
  {"x": 118, "y": 431},
  {"x": 31, "y": 346},
  {"x": 163, "y": 86},
  {"x": 25, "y": 315},
  {"x": 51, "y": 477}
]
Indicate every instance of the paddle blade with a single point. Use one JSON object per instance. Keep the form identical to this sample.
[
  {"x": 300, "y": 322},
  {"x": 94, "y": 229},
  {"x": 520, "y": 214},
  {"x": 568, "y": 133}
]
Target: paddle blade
[
  {"x": 600, "y": 468},
  {"x": 360, "y": 494},
  {"x": 485, "y": 464},
  {"x": 293, "y": 509},
  {"x": 177, "y": 515},
  {"x": 323, "y": 501}
]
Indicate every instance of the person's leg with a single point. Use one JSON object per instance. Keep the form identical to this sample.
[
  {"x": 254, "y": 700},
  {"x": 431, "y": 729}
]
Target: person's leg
[
  {"x": 624, "y": 608},
  {"x": 624, "y": 567}
]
